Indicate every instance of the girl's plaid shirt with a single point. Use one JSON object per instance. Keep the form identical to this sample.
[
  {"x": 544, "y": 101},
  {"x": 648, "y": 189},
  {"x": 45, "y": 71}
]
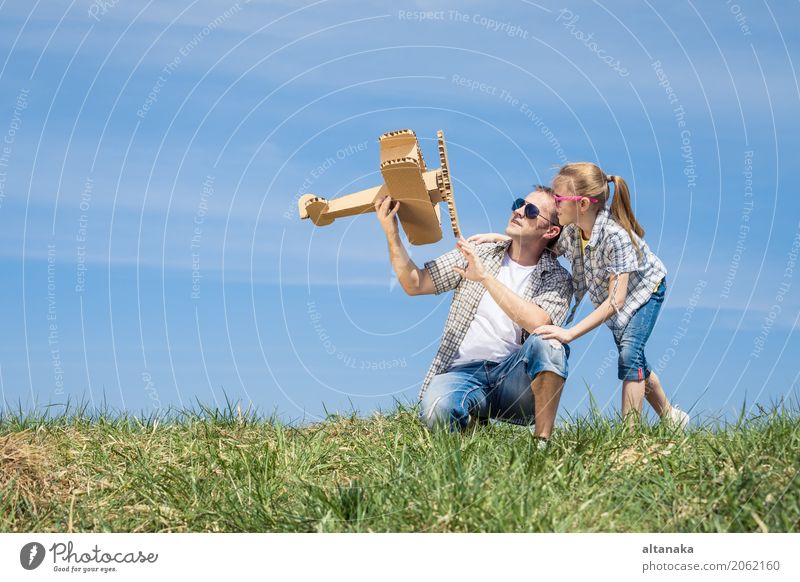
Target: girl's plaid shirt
[
  {"x": 610, "y": 250},
  {"x": 549, "y": 286}
]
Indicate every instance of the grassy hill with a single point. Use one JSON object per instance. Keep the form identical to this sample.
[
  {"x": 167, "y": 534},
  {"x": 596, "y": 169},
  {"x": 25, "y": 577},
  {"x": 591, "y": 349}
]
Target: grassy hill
[{"x": 221, "y": 471}]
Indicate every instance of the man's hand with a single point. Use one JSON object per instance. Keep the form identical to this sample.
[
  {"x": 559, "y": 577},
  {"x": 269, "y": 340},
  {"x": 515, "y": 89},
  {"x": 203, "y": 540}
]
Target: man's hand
[
  {"x": 554, "y": 332},
  {"x": 475, "y": 270},
  {"x": 387, "y": 214}
]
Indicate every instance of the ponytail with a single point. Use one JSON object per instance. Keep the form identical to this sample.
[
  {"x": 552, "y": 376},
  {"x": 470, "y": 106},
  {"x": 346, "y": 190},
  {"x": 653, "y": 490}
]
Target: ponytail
[{"x": 621, "y": 209}]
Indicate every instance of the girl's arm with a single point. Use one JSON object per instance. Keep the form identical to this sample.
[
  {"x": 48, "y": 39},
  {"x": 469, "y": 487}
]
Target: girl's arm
[
  {"x": 618, "y": 291},
  {"x": 478, "y": 239},
  {"x": 560, "y": 248}
]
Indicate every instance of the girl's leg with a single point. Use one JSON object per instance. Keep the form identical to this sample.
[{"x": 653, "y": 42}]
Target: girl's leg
[
  {"x": 638, "y": 380},
  {"x": 632, "y": 400},
  {"x": 655, "y": 395},
  {"x": 633, "y": 392},
  {"x": 662, "y": 406}
]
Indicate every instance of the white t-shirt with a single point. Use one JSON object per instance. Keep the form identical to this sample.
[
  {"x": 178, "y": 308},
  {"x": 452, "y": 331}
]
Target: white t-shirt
[{"x": 492, "y": 335}]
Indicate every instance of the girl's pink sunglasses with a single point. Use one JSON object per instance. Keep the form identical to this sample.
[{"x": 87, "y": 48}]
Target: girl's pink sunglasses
[{"x": 558, "y": 199}]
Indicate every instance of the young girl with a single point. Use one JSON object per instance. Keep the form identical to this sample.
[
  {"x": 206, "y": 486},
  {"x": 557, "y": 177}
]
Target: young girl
[{"x": 625, "y": 280}]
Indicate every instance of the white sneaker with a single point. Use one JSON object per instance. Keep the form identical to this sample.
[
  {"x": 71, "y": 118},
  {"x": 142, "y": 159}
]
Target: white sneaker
[{"x": 677, "y": 417}]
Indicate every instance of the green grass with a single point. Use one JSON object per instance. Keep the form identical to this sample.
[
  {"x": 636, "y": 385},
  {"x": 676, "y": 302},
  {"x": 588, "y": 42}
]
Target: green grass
[{"x": 211, "y": 470}]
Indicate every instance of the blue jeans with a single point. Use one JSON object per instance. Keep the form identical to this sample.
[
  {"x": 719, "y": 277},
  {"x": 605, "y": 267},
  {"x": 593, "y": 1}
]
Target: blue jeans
[
  {"x": 632, "y": 364},
  {"x": 486, "y": 389}
]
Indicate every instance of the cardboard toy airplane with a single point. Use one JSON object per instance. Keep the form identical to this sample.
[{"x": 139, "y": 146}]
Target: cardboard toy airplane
[{"x": 406, "y": 179}]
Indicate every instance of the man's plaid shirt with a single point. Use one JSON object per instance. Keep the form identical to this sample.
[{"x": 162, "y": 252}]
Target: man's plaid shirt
[
  {"x": 610, "y": 251},
  {"x": 549, "y": 286}
]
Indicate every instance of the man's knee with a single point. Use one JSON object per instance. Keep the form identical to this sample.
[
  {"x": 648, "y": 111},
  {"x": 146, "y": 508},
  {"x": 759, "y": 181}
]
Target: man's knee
[
  {"x": 534, "y": 346},
  {"x": 544, "y": 354},
  {"x": 430, "y": 411},
  {"x": 441, "y": 411}
]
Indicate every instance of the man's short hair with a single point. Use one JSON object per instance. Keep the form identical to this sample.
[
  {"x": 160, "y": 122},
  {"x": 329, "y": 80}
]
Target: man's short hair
[{"x": 553, "y": 212}]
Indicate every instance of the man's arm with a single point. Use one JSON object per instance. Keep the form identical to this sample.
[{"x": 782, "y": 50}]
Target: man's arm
[
  {"x": 527, "y": 315},
  {"x": 415, "y": 281}
]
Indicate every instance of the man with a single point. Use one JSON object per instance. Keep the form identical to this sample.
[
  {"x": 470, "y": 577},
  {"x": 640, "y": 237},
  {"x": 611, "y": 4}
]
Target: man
[{"x": 489, "y": 364}]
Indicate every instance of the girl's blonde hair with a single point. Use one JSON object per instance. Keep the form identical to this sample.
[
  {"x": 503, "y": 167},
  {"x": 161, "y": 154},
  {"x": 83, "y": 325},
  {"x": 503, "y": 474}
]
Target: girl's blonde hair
[{"x": 587, "y": 179}]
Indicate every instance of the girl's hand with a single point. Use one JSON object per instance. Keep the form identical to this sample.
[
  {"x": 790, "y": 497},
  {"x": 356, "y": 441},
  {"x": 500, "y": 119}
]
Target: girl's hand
[
  {"x": 475, "y": 270},
  {"x": 554, "y": 332},
  {"x": 490, "y": 237}
]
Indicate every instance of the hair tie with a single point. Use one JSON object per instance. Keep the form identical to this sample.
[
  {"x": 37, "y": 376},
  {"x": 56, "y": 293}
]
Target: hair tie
[{"x": 609, "y": 178}]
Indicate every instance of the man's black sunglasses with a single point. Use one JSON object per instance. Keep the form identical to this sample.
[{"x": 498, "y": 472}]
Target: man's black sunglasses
[{"x": 531, "y": 210}]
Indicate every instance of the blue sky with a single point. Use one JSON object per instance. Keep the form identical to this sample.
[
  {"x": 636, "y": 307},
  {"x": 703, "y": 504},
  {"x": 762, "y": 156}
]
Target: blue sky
[{"x": 152, "y": 155}]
